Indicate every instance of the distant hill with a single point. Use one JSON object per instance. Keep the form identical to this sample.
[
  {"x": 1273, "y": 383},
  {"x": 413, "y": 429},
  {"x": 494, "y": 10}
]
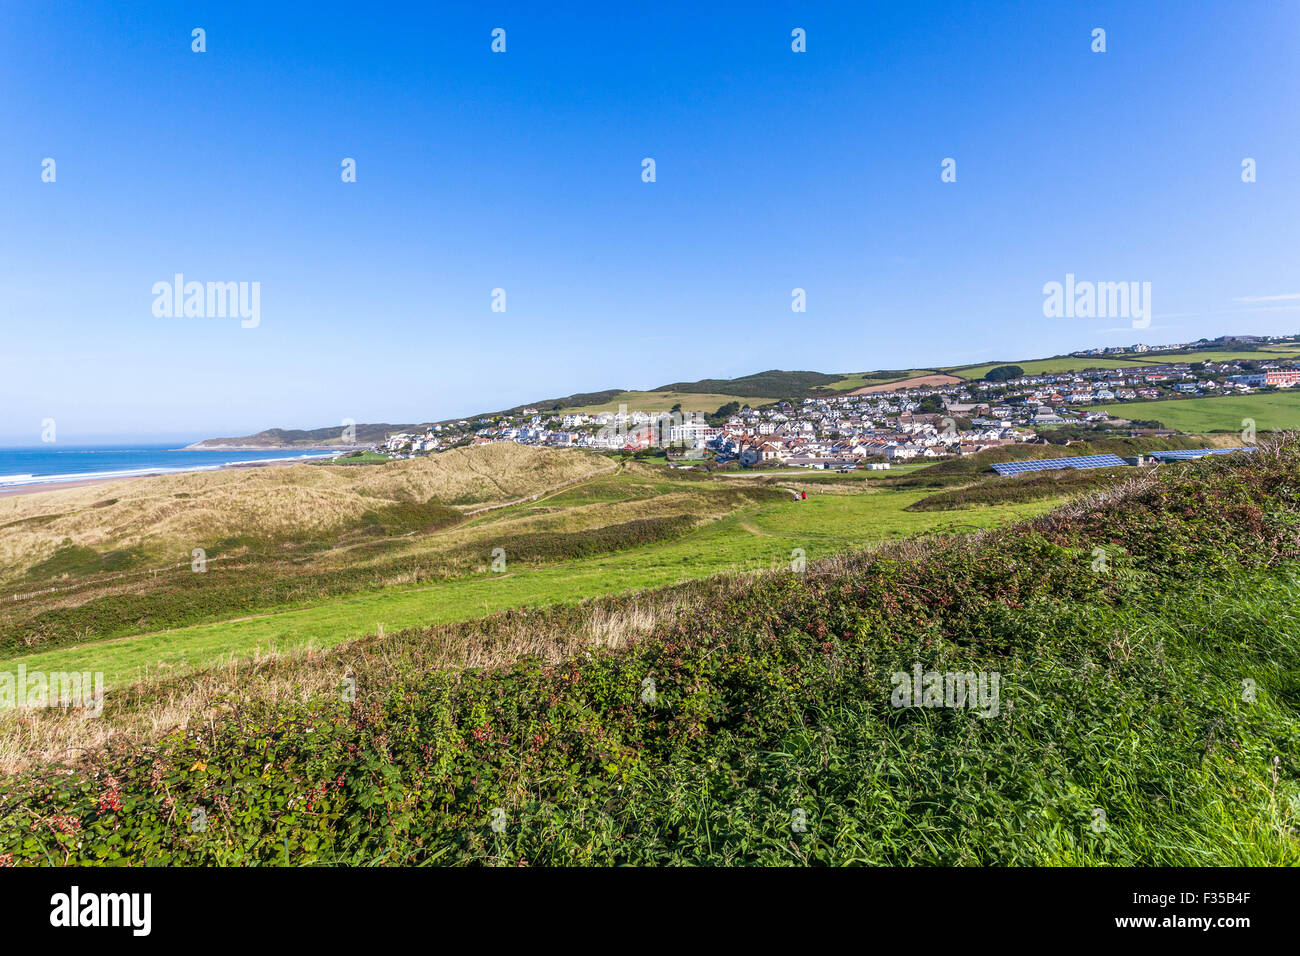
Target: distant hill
[
  {"x": 309, "y": 438},
  {"x": 760, "y": 384},
  {"x": 767, "y": 386},
  {"x": 569, "y": 401}
]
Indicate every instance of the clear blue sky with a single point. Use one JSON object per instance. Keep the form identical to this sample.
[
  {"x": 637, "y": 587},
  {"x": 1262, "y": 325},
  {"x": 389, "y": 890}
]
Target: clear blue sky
[{"x": 522, "y": 171}]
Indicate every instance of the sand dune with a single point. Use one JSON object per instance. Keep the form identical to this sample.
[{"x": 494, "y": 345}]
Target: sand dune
[{"x": 285, "y": 501}]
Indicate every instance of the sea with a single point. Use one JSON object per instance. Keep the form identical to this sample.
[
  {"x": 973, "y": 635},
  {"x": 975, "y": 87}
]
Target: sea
[{"x": 56, "y": 463}]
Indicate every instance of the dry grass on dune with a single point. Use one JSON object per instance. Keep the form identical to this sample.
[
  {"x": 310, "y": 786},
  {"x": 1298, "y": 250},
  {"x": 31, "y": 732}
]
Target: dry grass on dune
[
  {"x": 482, "y": 475},
  {"x": 438, "y": 556},
  {"x": 178, "y": 512}
]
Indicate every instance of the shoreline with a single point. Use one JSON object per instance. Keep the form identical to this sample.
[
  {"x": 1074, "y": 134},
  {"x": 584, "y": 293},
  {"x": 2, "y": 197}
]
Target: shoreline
[
  {"x": 341, "y": 449},
  {"x": 54, "y": 484}
]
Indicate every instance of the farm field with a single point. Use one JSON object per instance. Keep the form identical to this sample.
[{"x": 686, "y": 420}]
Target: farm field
[
  {"x": 1273, "y": 411},
  {"x": 916, "y": 382},
  {"x": 1071, "y": 364},
  {"x": 1043, "y": 366},
  {"x": 1227, "y": 355},
  {"x": 863, "y": 379}
]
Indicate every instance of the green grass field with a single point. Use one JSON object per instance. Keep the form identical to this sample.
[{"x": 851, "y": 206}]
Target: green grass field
[
  {"x": 1274, "y": 411},
  {"x": 1043, "y": 366},
  {"x": 1226, "y": 355},
  {"x": 794, "y": 473},
  {"x": 755, "y": 538},
  {"x": 1071, "y": 364},
  {"x": 360, "y": 458}
]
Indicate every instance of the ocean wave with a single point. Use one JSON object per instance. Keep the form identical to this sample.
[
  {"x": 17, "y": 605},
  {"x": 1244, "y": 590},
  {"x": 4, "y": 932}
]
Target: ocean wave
[
  {"x": 12, "y": 480},
  {"x": 258, "y": 461},
  {"x": 17, "y": 481}
]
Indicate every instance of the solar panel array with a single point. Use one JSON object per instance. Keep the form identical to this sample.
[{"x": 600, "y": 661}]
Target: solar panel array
[
  {"x": 1046, "y": 464},
  {"x": 1190, "y": 453}
]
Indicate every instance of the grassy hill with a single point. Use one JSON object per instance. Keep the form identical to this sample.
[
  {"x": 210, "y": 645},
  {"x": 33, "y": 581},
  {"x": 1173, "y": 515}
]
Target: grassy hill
[
  {"x": 365, "y": 434},
  {"x": 1146, "y": 646},
  {"x": 771, "y": 382},
  {"x": 568, "y": 402},
  {"x": 664, "y": 401},
  {"x": 707, "y": 395}
]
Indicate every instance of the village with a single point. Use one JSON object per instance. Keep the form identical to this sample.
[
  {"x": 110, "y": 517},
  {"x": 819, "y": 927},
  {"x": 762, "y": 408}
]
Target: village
[{"x": 909, "y": 421}]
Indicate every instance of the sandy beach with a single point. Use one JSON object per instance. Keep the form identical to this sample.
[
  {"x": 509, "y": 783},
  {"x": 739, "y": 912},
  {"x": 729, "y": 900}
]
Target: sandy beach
[{"x": 55, "y": 485}]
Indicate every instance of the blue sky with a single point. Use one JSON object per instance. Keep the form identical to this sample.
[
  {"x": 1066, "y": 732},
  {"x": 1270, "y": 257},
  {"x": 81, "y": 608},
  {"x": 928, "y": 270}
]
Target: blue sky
[{"x": 522, "y": 171}]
